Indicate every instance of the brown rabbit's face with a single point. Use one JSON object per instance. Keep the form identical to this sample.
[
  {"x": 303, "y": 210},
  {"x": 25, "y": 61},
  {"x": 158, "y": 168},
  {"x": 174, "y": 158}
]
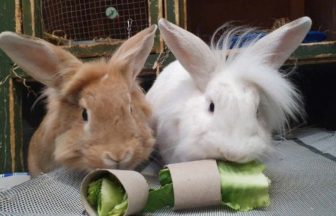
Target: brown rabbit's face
[
  {"x": 97, "y": 115},
  {"x": 110, "y": 129}
]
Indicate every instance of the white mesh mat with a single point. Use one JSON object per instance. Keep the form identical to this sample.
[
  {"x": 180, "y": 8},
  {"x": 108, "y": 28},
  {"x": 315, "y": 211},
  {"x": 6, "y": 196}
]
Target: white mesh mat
[
  {"x": 323, "y": 141},
  {"x": 303, "y": 183}
]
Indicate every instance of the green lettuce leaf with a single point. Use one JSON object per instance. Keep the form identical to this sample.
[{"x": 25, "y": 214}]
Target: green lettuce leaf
[
  {"x": 119, "y": 209},
  {"x": 164, "y": 177},
  {"x": 162, "y": 197},
  {"x": 94, "y": 192},
  {"x": 108, "y": 197},
  {"x": 244, "y": 186}
]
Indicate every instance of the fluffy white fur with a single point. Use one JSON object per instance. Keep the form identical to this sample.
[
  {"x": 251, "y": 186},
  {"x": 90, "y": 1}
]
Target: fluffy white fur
[{"x": 251, "y": 98}]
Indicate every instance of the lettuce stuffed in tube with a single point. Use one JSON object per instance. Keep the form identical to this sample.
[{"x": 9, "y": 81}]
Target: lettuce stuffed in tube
[
  {"x": 107, "y": 192},
  {"x": 243, "y": 187}
]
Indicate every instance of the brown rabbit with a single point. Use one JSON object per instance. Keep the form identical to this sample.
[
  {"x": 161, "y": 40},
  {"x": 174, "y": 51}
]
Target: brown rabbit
[{"x": 97, "y": 113}]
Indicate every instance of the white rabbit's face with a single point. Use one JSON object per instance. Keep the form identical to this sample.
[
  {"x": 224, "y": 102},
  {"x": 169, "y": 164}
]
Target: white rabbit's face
[
  {"x": 225, "y": 122},
  {"x": 237, "y": 130}
]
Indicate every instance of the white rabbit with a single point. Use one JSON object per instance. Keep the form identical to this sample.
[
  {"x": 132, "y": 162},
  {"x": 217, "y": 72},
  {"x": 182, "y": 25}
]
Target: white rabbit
[{"x": 213, "y": 103}]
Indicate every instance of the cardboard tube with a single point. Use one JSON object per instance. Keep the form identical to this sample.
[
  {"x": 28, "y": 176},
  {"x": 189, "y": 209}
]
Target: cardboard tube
[
  {"x": 133, "y": 182},
  {"x": 196, "y": 184}
]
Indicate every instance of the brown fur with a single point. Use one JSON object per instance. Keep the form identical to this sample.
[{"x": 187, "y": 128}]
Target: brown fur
[{"x": 117, "y": 134}]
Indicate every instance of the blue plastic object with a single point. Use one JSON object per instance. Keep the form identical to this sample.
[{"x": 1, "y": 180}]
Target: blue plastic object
[
  {"x": 8, "y": 174},
  {"x": 312, "y": 36},
  {"x": 243, "y": 41}
]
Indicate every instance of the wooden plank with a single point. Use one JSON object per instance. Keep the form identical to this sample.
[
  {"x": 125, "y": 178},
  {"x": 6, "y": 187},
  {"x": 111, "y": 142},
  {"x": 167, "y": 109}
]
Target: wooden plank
[
  {"x": 20, "y": 163},
  {"x": 175, "y": 12},
  {"x": 182, "y": 13},
  {"x": 16, "y": 130},
  {"x": 8, "y": 23},
  {"x": 18, "y": 16},
  {"x": 170, "y": 11},
  {"x": 37, "y": 21},
  {"x": 31, "y": 17},
  {"x": 314, "y": 53},
  {"x": 15, "y": 104},
  {"x": 5, "y": 157},
  {"x": 155, "y": 13},
  {"x": 27, "y": 17},
  {"x": 10, "y": 110}
]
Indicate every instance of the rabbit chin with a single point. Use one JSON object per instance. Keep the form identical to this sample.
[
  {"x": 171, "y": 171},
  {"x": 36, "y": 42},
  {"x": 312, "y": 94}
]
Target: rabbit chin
[{"x": 238, "y": 149}]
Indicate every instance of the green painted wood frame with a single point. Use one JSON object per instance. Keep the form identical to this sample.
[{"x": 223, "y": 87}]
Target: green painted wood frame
[
  {"x": 11, "y": 149},
  {"x": 19, "y": 16}
]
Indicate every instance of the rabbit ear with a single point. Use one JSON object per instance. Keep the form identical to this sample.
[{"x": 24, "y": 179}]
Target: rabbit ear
[
  {"x": 277, "y": 46},
  {"x": 38, "y": 58},
  {"x": 193, "y": 54},
  {"x": 132, "y": 54}
]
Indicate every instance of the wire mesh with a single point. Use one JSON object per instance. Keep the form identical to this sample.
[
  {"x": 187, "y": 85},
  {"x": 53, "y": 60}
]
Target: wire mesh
[{"x": 86, "y": 20}]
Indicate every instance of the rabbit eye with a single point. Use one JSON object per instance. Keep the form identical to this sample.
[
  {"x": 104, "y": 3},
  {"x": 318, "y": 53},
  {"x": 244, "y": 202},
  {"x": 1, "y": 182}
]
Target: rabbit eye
[
  {"x": 84, "y": 115},
  {"x": 212, "y": 107}
]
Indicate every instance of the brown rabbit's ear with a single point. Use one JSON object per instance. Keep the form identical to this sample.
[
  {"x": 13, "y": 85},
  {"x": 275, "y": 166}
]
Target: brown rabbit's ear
[
  {"x": 132, "y": 54},
  {"x": 40, "y": 59}
]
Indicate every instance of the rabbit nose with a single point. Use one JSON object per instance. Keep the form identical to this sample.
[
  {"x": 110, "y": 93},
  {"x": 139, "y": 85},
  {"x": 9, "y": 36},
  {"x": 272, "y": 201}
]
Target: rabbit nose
[
  {"x": 115, "y": 161},
  {"x": 109, "y": 162}
]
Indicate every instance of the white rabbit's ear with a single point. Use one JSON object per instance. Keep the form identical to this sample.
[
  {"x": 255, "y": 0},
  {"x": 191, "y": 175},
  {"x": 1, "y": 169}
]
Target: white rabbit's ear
[
  {"x": 277, "y": 46},
  {"x": 193, "y": 54},
  {"x": 132, "y": 54},
  {"x": 40, "y": 59}
]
